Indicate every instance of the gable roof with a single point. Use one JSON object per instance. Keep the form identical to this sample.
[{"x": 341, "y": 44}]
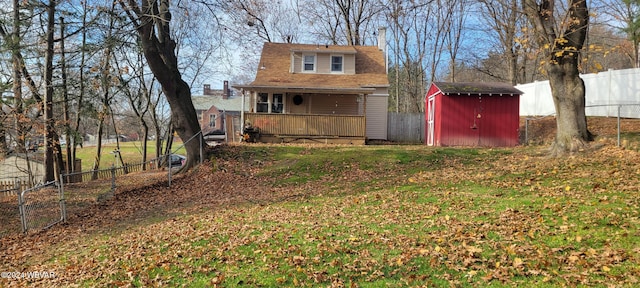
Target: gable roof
[
  {"x": 275, "y": 64},
  {"x": 230, "y": 104},
  {"x": 477, "y": 88}
]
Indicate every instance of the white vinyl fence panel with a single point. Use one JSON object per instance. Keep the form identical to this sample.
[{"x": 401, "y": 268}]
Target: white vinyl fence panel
[{"x": 605, "y": 91}]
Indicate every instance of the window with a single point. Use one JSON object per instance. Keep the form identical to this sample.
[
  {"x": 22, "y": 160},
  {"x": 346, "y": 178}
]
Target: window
[
  {"x": 309, "y": 63},
  {"x": 262, "y": 104},
  {"x": 212, "y": 120},
  {"x": 336, "y": 63},
  {"x": 277, "y": 106}
]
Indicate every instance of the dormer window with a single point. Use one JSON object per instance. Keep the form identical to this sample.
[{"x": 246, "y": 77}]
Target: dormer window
[
  {"x": 309, "y": 63},
  {"x": 336, "y": 63}
]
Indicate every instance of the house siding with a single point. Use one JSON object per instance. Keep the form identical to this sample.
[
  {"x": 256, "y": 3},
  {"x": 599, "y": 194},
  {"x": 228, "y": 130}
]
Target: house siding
[
  {"x": 302, "y": 108},
  {"x": 16, "y": 167},
  {"x": 297, "y": 62},
  {"x": 349, "y": 64},
  {"x": 334, "y": 104},
  {"x": 323, "y": 61},
  {"x": 377, "y": 116}
]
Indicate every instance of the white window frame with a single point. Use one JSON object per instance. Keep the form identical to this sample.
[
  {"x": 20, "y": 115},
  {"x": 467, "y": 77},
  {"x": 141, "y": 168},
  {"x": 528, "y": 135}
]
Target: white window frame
[
  {"x": 258, "y": 102},
  {"x": 304, "y": 62},
  {"x": 273, "y": 103},
  {"x": 341, "y": 63}
]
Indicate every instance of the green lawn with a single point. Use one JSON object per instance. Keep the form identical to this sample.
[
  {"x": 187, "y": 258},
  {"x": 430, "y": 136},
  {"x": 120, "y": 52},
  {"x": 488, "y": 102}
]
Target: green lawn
[
  {"x": 372, "y": 216},
  {"x": 131, "y": 153}
]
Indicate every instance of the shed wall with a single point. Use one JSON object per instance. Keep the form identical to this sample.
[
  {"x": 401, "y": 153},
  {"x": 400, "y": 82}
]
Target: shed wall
[
  {"x": 473, "y": 120},
  {"x": 479, "y": 121}
]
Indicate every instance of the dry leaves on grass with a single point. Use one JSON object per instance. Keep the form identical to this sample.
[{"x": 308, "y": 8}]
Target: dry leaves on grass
[{"x": 446, "y": 220}]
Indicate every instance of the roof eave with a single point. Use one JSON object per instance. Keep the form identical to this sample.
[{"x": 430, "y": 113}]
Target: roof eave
[{"x": 329, "y": 90}]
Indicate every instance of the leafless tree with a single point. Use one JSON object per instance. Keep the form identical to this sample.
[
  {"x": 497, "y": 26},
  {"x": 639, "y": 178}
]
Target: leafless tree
[
  {"x": 624, "y": 16},
  {"x": 506, "y": 21},
  {"x": 343, "y": 22},
  {"x": 152, "y": 20},
  {"x": 455, "y": 28}
]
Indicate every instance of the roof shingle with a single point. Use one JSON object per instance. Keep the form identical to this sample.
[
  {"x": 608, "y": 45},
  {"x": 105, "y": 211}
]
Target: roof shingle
[
  {"x": 477, "y": 88},
  {"x": 370, "y": 68}
]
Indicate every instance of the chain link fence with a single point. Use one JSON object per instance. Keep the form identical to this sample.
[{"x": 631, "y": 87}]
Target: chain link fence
[
  {"x": 45, "y": 205},
  {"x": 42, "y": 206},
  {"x": 621, "y": 123}
]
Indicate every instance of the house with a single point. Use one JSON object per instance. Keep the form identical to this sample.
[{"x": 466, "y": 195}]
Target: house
[
  {"x": 22, "y": 166},
  {"x": 319, "y": 93},
  {"x": 472, "y": 114},
  {"x": 219, "y": 113}
]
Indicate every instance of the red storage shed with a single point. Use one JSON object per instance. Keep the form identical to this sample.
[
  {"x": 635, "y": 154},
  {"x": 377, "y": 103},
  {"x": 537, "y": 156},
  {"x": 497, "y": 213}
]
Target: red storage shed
[{"x": 472, "y": 114}]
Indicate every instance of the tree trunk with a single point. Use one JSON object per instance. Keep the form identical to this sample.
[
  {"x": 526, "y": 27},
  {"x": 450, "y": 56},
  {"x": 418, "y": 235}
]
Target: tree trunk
[
  {"x": 96, "y": 159},
  {"x": 17, "y": 81},
  {"x": 51, "y": 137},
  {"x": 152, "y": 21},
  {"x": 562, "y": 49},
  {"x": 65, "y": 105},
  {"x": 568, "y": 91}
]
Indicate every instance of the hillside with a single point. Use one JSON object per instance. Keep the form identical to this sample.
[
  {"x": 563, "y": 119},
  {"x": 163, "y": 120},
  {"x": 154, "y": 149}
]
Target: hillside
[{"x": 261, "y": 215}]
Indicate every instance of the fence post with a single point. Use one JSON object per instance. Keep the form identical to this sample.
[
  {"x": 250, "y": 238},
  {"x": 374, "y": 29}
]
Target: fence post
[
  {"x": 201, "y": 138},
  {"x": 526, "y": 131},
  {"x": 113, "y": 180},
  {"x": 169, "y": 165},
  {"x": 23, "y": 216},
  {"x": 63, "y": 204},
  {"x": 619, "y": 106}
]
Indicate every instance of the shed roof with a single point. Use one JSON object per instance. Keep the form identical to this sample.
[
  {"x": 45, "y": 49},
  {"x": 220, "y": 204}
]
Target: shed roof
[
  {"x": 477, "y": 88},
  {"x": 274, "y": 73}
]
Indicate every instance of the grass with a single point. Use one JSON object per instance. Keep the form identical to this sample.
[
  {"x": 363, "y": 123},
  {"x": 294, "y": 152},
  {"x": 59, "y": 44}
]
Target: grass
[
  {"x": 415, "y": 216},
  {"x": 131, "y": 153}
]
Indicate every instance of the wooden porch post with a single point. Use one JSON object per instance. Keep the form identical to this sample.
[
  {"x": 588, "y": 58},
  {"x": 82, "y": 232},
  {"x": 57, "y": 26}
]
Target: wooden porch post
[{"x": 364, "y": 97}]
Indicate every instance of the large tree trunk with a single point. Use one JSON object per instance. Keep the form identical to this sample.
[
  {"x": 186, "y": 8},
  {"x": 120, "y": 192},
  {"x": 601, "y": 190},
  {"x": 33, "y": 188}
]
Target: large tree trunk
[
  {"x": 567, "y": 89},
  {"x": 561, "y": 40},
  {"x": 152, "y": 23}
]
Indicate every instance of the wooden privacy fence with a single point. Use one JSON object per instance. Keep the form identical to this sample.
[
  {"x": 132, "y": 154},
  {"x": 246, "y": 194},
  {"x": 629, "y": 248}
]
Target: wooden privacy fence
[
  {"x": 9, "y": 184},
  {"x": 405, "y": 127}
]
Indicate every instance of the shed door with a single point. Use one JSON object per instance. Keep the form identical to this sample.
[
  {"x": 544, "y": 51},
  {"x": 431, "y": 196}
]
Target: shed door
[{"x": 431, "y": 108}]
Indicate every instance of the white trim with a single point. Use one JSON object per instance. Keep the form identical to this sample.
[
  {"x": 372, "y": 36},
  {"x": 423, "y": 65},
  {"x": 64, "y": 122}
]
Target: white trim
[
  {"x": 315, "y": 63},
  {"x": 292, "y": 67},
  {"x": 431, "y": 109},
  {"x": 341, "y": 63}
]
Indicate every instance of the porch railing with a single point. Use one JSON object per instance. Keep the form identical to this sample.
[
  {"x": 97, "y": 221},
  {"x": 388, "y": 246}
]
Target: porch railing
[{"x": 312, "y": 125}]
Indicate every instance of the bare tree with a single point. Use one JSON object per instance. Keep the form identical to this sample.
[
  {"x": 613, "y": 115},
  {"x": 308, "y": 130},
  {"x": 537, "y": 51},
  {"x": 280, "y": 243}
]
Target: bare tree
[
  {"x": 624, "y": 15},
  {"x": 504, "y": 17},
  {"x": 455, "y": 30},
  {"x": 151, "y": 20},
  {"x": 560, "y": 34},
  {"x": 347, "y": 22}
]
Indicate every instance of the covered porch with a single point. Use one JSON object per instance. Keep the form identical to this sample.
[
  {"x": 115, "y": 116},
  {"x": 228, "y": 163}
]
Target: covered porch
[
  {"x": 306, "y": 115},
  {"x": 303, "y": 128}
]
